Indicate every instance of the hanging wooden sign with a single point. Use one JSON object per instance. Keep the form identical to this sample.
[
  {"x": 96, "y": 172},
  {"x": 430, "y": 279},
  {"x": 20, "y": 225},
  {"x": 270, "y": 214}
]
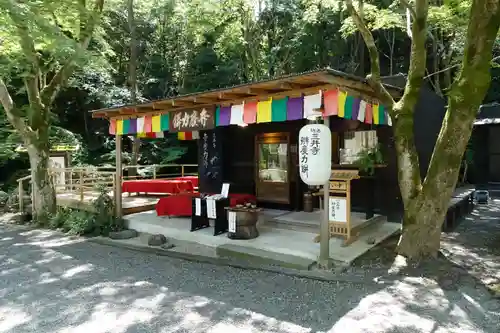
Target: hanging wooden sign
[
  {"x": 192, "y": 120},
  {"x": 338, "y": 185}
]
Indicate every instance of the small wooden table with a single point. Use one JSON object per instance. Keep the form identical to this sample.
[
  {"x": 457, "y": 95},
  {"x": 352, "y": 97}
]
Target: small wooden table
[{"x": 244, "y": 225}]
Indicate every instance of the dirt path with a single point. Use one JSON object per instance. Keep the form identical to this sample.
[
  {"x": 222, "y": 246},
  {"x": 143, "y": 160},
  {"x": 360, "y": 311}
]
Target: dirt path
[{"x": 475, "y": 244}]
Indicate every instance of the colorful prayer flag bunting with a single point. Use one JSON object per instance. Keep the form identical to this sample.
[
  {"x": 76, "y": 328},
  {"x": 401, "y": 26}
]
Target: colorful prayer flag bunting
[
  {"x": 250, "y": 113},
  {"x": 152, "y": 135},
  {"x": 369, "y": 114},
  {"x": 348, "y": 106},
  {"x": 278, "y": 109},
  {"x": 376, "y": 114},
  {"x": 355, "y": 108},
  {"x": 264, "y": 111},
  {"x": 165, "y": 122},
  {"x": 156, "y": 124},
  {"x": 382, "y": 115},
  {"x": 236, "y": 115},
  {"x": 223, "y": 116},
  {"x": 362, "y": 110},
  {"x": 295, "y": 108},
  {"x": 119, "y": 127},
  {"x": 335, "y": 102},
  {"x": 112, "y": 126},
  {"x": 140, "y": 125},
  {"x": 132, "y": 127},
  {"x": 148, "y": 124},
  {"x": 188, "y": 135},
  {"x": 312, "y": 104},
  {"x": 331, "y": 103},
  {"x": 341, "y": 99}
]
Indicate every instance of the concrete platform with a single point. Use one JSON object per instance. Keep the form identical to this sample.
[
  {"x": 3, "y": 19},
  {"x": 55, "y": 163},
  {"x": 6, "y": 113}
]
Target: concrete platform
[
  {"x": 284, "y": 247},
  {"x": 309, "y": 221}
]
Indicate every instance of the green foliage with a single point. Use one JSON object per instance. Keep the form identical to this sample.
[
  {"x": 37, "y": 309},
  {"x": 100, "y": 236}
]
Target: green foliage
[
  {"x": 368, "y": 159},
  {"x": 376, "y": 19},
  {"x": 60, "y": 218},
  {"x": 101, "y": 221}
]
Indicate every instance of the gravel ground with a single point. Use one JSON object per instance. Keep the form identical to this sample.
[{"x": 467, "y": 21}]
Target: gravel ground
[{"x": 53, "y": 283}]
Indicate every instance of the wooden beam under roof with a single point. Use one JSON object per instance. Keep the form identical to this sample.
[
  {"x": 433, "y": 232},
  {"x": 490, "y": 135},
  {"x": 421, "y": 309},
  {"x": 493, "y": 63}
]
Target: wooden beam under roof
[
  {"x": 165, "y": 108},
  {"x": 290, "y": 85},
  {"x": 293, "y": 85},
  {"x": 204, "y": 100},
  {"x": 361, "y": 86}
]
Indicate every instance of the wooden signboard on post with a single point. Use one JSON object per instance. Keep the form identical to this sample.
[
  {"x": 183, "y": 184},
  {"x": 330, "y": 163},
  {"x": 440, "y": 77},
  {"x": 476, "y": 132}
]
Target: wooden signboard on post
[{"x": 339, "y": 204}]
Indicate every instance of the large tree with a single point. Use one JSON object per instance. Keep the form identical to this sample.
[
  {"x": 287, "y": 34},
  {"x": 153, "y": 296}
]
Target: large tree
[
  {"x": 45, "y": 39},
  {"x": 426, "y": 200}
]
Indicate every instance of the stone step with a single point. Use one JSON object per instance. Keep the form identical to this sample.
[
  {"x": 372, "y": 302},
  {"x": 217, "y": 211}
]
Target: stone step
[
  {"x": 263, "y": 257},
  {"x": 303, "y": 226},
  {"x": 312, "y": 226}
]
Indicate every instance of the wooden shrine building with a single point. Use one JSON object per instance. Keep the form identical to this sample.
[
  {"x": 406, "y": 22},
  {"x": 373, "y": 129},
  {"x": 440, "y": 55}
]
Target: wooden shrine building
[{"x": 247, "y": 135}]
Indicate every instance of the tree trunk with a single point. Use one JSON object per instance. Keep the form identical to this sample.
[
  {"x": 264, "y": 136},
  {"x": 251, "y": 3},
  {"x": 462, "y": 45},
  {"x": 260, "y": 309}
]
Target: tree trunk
[
  {"x": 426, "y": 203},
  {"x": 136, "y": 145},
  {"x": 427, "y": 211},
  {"x": 420, "y": 236},
  {"x": 43, "y": 191}
]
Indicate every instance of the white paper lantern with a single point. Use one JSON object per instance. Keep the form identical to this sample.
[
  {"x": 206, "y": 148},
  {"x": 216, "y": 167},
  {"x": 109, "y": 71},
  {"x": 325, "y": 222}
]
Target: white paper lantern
[{"x": 315, "y": 154}]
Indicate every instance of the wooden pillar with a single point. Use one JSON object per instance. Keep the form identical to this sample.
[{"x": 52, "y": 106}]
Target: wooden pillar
[
  {"x": 118, "y": 175},
  {"x": 324, "y": 245}
]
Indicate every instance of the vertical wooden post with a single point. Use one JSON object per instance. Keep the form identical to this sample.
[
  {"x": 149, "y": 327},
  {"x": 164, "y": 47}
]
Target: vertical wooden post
[
  {"x": 118, "y": 175},
  {"x": 324, "y": 245},
  {"x": 182, "y": 170},
  {"x": 21, "y": 195},
  {"x": 348, "y": 208},
  {"x": 154, "y": 171},
  {"x": 81, "y": 185}
]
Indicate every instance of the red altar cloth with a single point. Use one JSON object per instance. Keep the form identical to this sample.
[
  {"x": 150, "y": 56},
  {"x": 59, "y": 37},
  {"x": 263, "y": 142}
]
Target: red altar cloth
[
  {"x": 157, "y": 186},
  {"x": 181, "y": 204},
  {"x": 193, "y": 179},
  {"x": 176, "y": 205}
]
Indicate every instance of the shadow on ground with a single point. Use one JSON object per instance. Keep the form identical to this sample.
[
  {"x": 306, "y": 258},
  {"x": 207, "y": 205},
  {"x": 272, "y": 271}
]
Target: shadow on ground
[{"x": 53, "y": 283}]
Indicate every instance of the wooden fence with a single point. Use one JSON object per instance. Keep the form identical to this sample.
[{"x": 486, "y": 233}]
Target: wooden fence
[{"x": 86, "y": 180}]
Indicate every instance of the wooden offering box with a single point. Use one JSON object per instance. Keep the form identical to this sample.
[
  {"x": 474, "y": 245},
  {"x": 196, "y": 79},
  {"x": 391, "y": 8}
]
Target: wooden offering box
[{"x": 242, "y": 222}]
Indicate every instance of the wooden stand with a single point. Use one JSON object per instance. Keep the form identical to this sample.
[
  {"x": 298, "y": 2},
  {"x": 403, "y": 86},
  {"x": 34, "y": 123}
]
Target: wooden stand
[
  {"x": 339, "y": 205},
  {"x": 202, "y": 221}
]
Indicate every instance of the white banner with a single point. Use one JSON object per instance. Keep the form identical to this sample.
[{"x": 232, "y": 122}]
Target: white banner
[
  {"x": 231, "y": 216},
  {"x": 197, "y": 202},
  {"x": 211, "y": 209},
  {"x": 338, "y": 210}
]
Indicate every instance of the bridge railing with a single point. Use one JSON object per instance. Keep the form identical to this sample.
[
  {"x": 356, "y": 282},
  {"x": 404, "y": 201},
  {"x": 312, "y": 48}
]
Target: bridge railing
[{"x": 80, "y": 181}]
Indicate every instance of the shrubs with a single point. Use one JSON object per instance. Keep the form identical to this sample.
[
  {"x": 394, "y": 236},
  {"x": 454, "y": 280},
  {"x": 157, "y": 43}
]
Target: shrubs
[{"x": 101, "y": 221}]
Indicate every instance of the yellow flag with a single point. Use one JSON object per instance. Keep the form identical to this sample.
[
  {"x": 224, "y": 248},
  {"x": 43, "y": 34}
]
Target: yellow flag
[
  {"x": 156, "y": 124},
  {"x": 264, "y": 111},
  {"x": 119, "y": 126},
  {"x": 341, "y": 103},
  {"x": 376, "y": 116}
]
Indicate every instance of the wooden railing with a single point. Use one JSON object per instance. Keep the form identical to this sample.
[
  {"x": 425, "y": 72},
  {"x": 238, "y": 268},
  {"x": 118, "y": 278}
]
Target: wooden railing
[
  {"x": 79, "y": 181},
  {"x": 159, "y": 171},
  {"x": 74, "y": 182}
]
